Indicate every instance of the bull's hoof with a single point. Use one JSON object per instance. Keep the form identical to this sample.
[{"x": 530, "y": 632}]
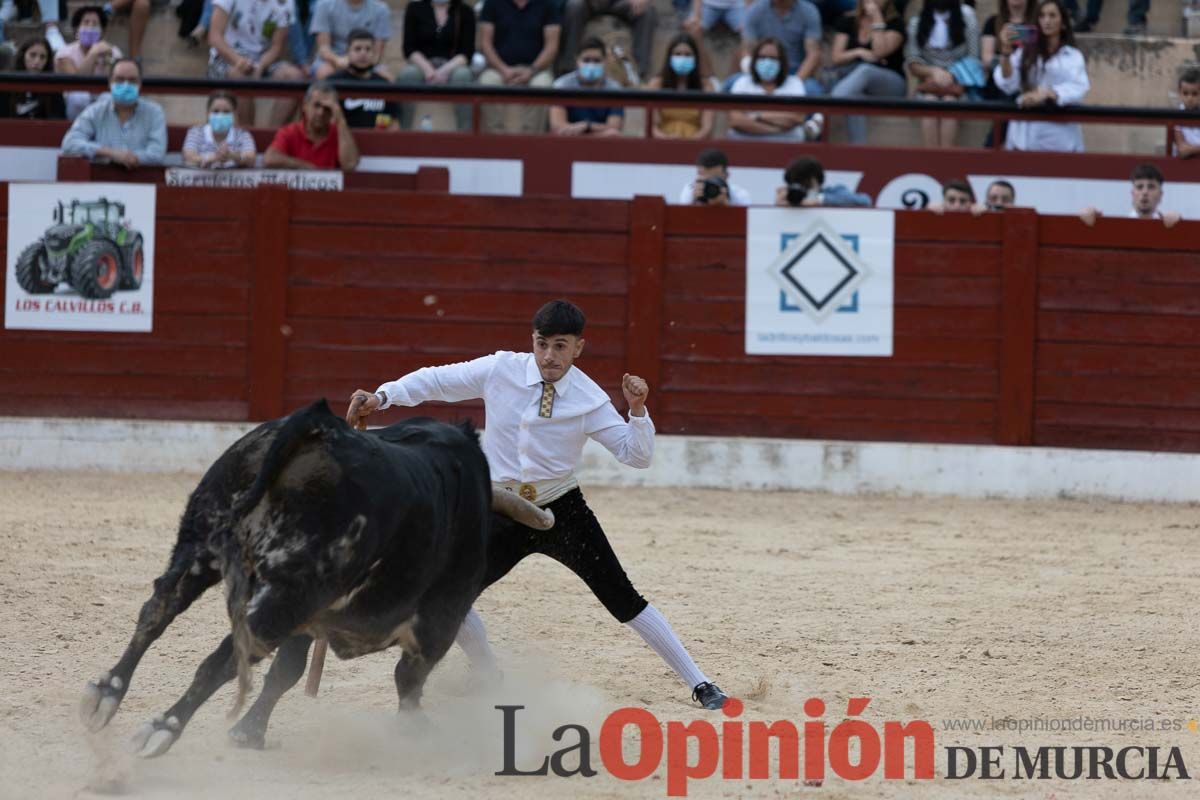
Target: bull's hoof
[
  {"x": 100, "y": 701},
  {"x": 245, "y": 736},
  {"x": 155, "y": 737}
]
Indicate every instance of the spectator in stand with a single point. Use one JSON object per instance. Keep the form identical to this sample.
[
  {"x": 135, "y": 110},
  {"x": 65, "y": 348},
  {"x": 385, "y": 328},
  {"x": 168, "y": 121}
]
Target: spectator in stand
[
  {"x": 139, "y": 17},
  {"x": 439, "y": 42},
  {"x": 804, "y": 186},
  {"x": 332, "y": 22},
  {"x": 681, "y": 72},
  {"x": 639, "y": 14},
  {"x": 366, "y": 112},
  {"x": 89, "y": 54},
  {"x": 321, "y": 139},
  {"x": 588, "y": 74},
  {"x": 1187, "y": 140},
  {"x": 769, "y": 77},
  {"x": 869, "y": 45},
  {"x": 48, "y": 11},
  {"x": 797, "y": 25},
  {"x": 1014, "y": 19},
  {"x": 34, "y": 56},
  {"x": 708, "y": 14},
  {"x": 248, "y": 39},
  {"x": 957, "y": 195},
  {"x": 1051, "y": 73},
  {"x": 519, "y": 41},
  {"x": 218, "y": 144},
  {"x": 1146, "y": 194},
  {"x": 943, "y": 35},
  {"x": 120, "y": 127},
  {"x": 711, "y": 185},
  {"x": 1000, "y": 195}
]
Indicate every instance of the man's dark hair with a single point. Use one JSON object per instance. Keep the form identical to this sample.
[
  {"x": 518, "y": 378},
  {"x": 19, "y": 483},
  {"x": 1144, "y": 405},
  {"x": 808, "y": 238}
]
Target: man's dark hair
[
  {"x": 558, "y": 318},
  {"x": 712, "y": 157},
  {"x": 803, "y": 171},
  {"x": 593, "y": 43},
  {"x": 77, "y": 17},
  {"x": 959, "y": 185},
  {"x": 126, "y": 60},
  {"x": 1190, "y": 75},
  {"x": 1147, "y": 172},
  {"x": 1006, "y": 185},
  {"x": 359, "y": 34}
]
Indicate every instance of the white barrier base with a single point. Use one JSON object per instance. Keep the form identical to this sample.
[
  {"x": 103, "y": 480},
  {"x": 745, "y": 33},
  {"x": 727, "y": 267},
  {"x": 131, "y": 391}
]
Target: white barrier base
[{"x": 680, "y": 461}]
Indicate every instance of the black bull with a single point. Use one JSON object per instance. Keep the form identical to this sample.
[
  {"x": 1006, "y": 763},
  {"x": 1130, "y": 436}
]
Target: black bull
[{"x": 366, "y": 539}]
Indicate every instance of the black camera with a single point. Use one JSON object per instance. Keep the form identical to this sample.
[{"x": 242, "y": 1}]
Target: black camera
[
  {"x": 712, "y": 189},
  {"x": 796, "y": 193}
]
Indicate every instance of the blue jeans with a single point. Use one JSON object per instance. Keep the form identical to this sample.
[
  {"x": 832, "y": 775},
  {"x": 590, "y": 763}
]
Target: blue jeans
[
  {"x": 867, "y": 80},
  {"x": 711, "y": 17}
]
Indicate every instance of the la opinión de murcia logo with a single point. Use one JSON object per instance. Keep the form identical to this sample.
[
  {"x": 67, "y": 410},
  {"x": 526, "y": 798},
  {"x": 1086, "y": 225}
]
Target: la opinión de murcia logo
[{"x": 741, "y": 750}]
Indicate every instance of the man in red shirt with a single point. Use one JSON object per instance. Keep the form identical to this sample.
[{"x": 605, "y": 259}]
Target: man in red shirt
[{"x": 321, "y": 139}]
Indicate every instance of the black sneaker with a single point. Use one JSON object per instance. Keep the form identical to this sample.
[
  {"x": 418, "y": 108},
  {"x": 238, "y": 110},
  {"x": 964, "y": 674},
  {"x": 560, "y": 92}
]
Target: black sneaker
[{"x": 709, "y": 695}]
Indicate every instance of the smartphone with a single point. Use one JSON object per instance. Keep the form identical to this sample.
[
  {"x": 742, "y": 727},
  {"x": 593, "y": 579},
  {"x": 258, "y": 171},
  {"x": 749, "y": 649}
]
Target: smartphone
[{"x": 1026, "y": 35}]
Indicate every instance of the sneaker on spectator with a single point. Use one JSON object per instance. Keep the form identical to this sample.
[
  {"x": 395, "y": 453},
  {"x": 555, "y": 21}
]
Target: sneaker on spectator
[{"x": 813, "y": 127}]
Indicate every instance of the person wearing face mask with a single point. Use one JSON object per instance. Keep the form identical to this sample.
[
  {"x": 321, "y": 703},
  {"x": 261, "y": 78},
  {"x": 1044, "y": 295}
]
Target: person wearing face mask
[
  {"x": 120, "y": 127},
  {"x": 34, "y": 56},
  {"x": 589, "y": 74},
  {"x": 681, "y": 72},
  {"x": 439, "y": 43},
  {"x": 219, "y": 145},
  {"x": 769, "y": 77},
  {"x": 89, "y": 54},
  {"x": 321, "y": 139}
]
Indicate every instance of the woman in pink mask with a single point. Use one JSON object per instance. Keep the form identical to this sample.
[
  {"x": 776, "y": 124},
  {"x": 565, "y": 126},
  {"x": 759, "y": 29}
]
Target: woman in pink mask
[{"x": 87, "y": 55}]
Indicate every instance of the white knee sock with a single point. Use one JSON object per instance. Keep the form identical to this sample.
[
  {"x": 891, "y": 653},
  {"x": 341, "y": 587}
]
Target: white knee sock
[
  {"x": 472, "y": 638},
  {"x": 654, "y": 628}
]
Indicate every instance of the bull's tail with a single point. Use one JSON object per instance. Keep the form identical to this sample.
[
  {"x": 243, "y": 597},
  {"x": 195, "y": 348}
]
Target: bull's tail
[{"x": 239, "y": 585}]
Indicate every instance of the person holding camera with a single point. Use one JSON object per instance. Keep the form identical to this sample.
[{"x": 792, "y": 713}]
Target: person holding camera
[
  {"x": 804, "y": 186},
  {"x": 711, "y": 186}
]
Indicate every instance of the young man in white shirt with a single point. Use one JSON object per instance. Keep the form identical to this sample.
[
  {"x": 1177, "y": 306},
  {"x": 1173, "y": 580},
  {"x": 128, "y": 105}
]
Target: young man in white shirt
[
  {"x": 1146, "y": 194},
  {"x": 540, "y": 410}
]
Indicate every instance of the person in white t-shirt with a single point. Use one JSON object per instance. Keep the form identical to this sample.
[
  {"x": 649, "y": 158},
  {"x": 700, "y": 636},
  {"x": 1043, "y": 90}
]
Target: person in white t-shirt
[
  {"x": 1187, "y": 140},
  {"x": 711, "y": 185},
  {"x": 1146, "y": 193},
  {"x": 248, "y": 39},
  {"x": 769, "y": 76},
  {"x": 540, "y": 409}
]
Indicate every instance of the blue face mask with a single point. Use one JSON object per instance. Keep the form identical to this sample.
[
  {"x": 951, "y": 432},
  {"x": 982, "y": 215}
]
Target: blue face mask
[
  {"x": 683, "y": 65},
  {"x": 767, "y": 68},
  {"x": 124, "y": 93},
  {"x": 590, "y": 72},
  {"x": 220, "y": 121}
]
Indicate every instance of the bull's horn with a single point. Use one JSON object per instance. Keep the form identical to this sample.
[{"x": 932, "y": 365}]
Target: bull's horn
[{"x": 518, "y": 508}]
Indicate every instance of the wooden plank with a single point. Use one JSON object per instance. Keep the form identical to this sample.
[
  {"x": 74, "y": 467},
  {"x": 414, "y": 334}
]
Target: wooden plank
[
  {"x": 929, "y": 227},
  {"x": 1103, "y": 415},
  {"x": 385, "y": 365},
  {"x": 192, "y": 203},
  {"x": 1133, "y": 235},
  {"x": 1104, "y": 264},
  {"x": 205, "y": 236},
  {"x": 813, "y": 377},
  {"x": 49, "y": 404},
  {"x": 123, "y": 358},
  {"x": 1122, "y": 390},
  {"x": 269, "y": 303},
  {"x": 852, "y": 430},
  {"x": 928, "y": 351},
  {"x": 1117, "y": 438},
  {"x": 1018, "y": 328},
  {"x": 1122, "y": 296},
  {"x": 1111, "y": 328},
  {"x": 437, "y": 338},
  {"x": 148, "y": 387},
  {"x": 192, "y": 330},
  {"x": 200, "y": 299},
  {"x": 729, "y": 222},
  {"x": 647, "y": 230},
  {"x": 499, "y": 275},
  {"x": 180, "y": 265},
  {"x": 1117, "y": 359},
  {"x": 680, "y": 403}
]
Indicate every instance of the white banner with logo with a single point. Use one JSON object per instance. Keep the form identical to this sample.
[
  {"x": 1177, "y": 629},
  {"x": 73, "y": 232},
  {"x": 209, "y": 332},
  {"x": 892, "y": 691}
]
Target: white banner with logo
[
  {"x": 80, "y": 257},
  {"x": 819, "y": 282},
  {"x": 308, "y": 180}
]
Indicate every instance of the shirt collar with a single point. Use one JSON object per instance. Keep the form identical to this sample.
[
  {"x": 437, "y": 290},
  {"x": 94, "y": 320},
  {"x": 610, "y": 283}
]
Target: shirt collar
[{"x": 534, "y": 378}]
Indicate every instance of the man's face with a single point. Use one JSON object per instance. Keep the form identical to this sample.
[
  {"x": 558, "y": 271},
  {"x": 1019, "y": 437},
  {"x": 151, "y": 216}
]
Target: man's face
[
  {"x": 1189, "y": 95},
  {"x": 125, "y": 72},
  {"x": 956, "y": 200},
  {"x": 360, "y": 53},
  {"x": 999, "y": 197},
  {"x": 1147, "y": 194},
  {"x": 318, "y": 110},
  {"x": 555, "y": 354},
  {"x": 719, "y": 171}
]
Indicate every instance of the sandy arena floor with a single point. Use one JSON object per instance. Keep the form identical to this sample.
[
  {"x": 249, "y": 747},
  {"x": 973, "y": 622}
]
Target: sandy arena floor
[{"x": 935, "y": 609}]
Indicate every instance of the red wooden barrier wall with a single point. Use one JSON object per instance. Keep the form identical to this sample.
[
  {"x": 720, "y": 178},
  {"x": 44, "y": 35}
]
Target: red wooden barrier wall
[{"x": 1010, "y": 329}]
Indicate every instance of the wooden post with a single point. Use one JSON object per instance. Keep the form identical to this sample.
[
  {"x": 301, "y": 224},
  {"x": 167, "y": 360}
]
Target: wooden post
[
  {"x": 1018, "y": 327},
  {"x": 647, "y": 255},
  {"x": 268, "y": 304}
]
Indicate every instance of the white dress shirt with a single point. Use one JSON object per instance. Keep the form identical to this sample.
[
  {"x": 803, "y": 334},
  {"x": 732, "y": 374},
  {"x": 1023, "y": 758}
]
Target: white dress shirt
[
  {"x": 519, "y": 444},
  {"x": 1066, "y": 73}
]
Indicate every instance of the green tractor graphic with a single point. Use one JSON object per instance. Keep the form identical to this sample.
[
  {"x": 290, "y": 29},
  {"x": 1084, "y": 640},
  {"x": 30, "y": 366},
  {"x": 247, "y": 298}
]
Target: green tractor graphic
[{"x": 90, "y": 246}]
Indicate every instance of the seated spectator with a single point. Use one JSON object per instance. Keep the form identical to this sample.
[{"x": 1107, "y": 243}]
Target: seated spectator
[
  {"x": 519, "y": 41},
  {"x": 639, "y": 14},
  {"x": 769, "y": 77},
  {"x": 1146, "y": 193},
  {"x": 708, "y": 14},
  {"x": 48, "y": 11},
  {"x": 711, "y": 185},
  {"x": 1187, "y": 140},
  {"x": 120, "y": 127},
  {"x": 869, "y": 45},
  {"x": 796, "y": 25},
  {"x": 332, "y": 22},
  {"x": 587, "y": 120},
  {"x": 439, "y": 42},
  {"x": 366, "y": 112},
  {"x": 1050, "y": 73},
  {"x": 941, "y": 36},
  {"x": 804, "y": 186},
  {"x": 1000, "y": 195},
  {"x": 321, "y": 139},
  {"x": 248, "y": 39},
  {"x": 1012, "y": 22},
  {"x": 88, "y": 55},
  {"x": 139, "y": 18},
  {"x": 681, "y": 72},
  {"x": 218, "y": 144},
  {"x": 34, "y": 56}
]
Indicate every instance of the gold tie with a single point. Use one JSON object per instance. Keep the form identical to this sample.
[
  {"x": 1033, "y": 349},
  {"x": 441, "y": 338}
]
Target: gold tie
[{"x": 547, "y": 406}]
